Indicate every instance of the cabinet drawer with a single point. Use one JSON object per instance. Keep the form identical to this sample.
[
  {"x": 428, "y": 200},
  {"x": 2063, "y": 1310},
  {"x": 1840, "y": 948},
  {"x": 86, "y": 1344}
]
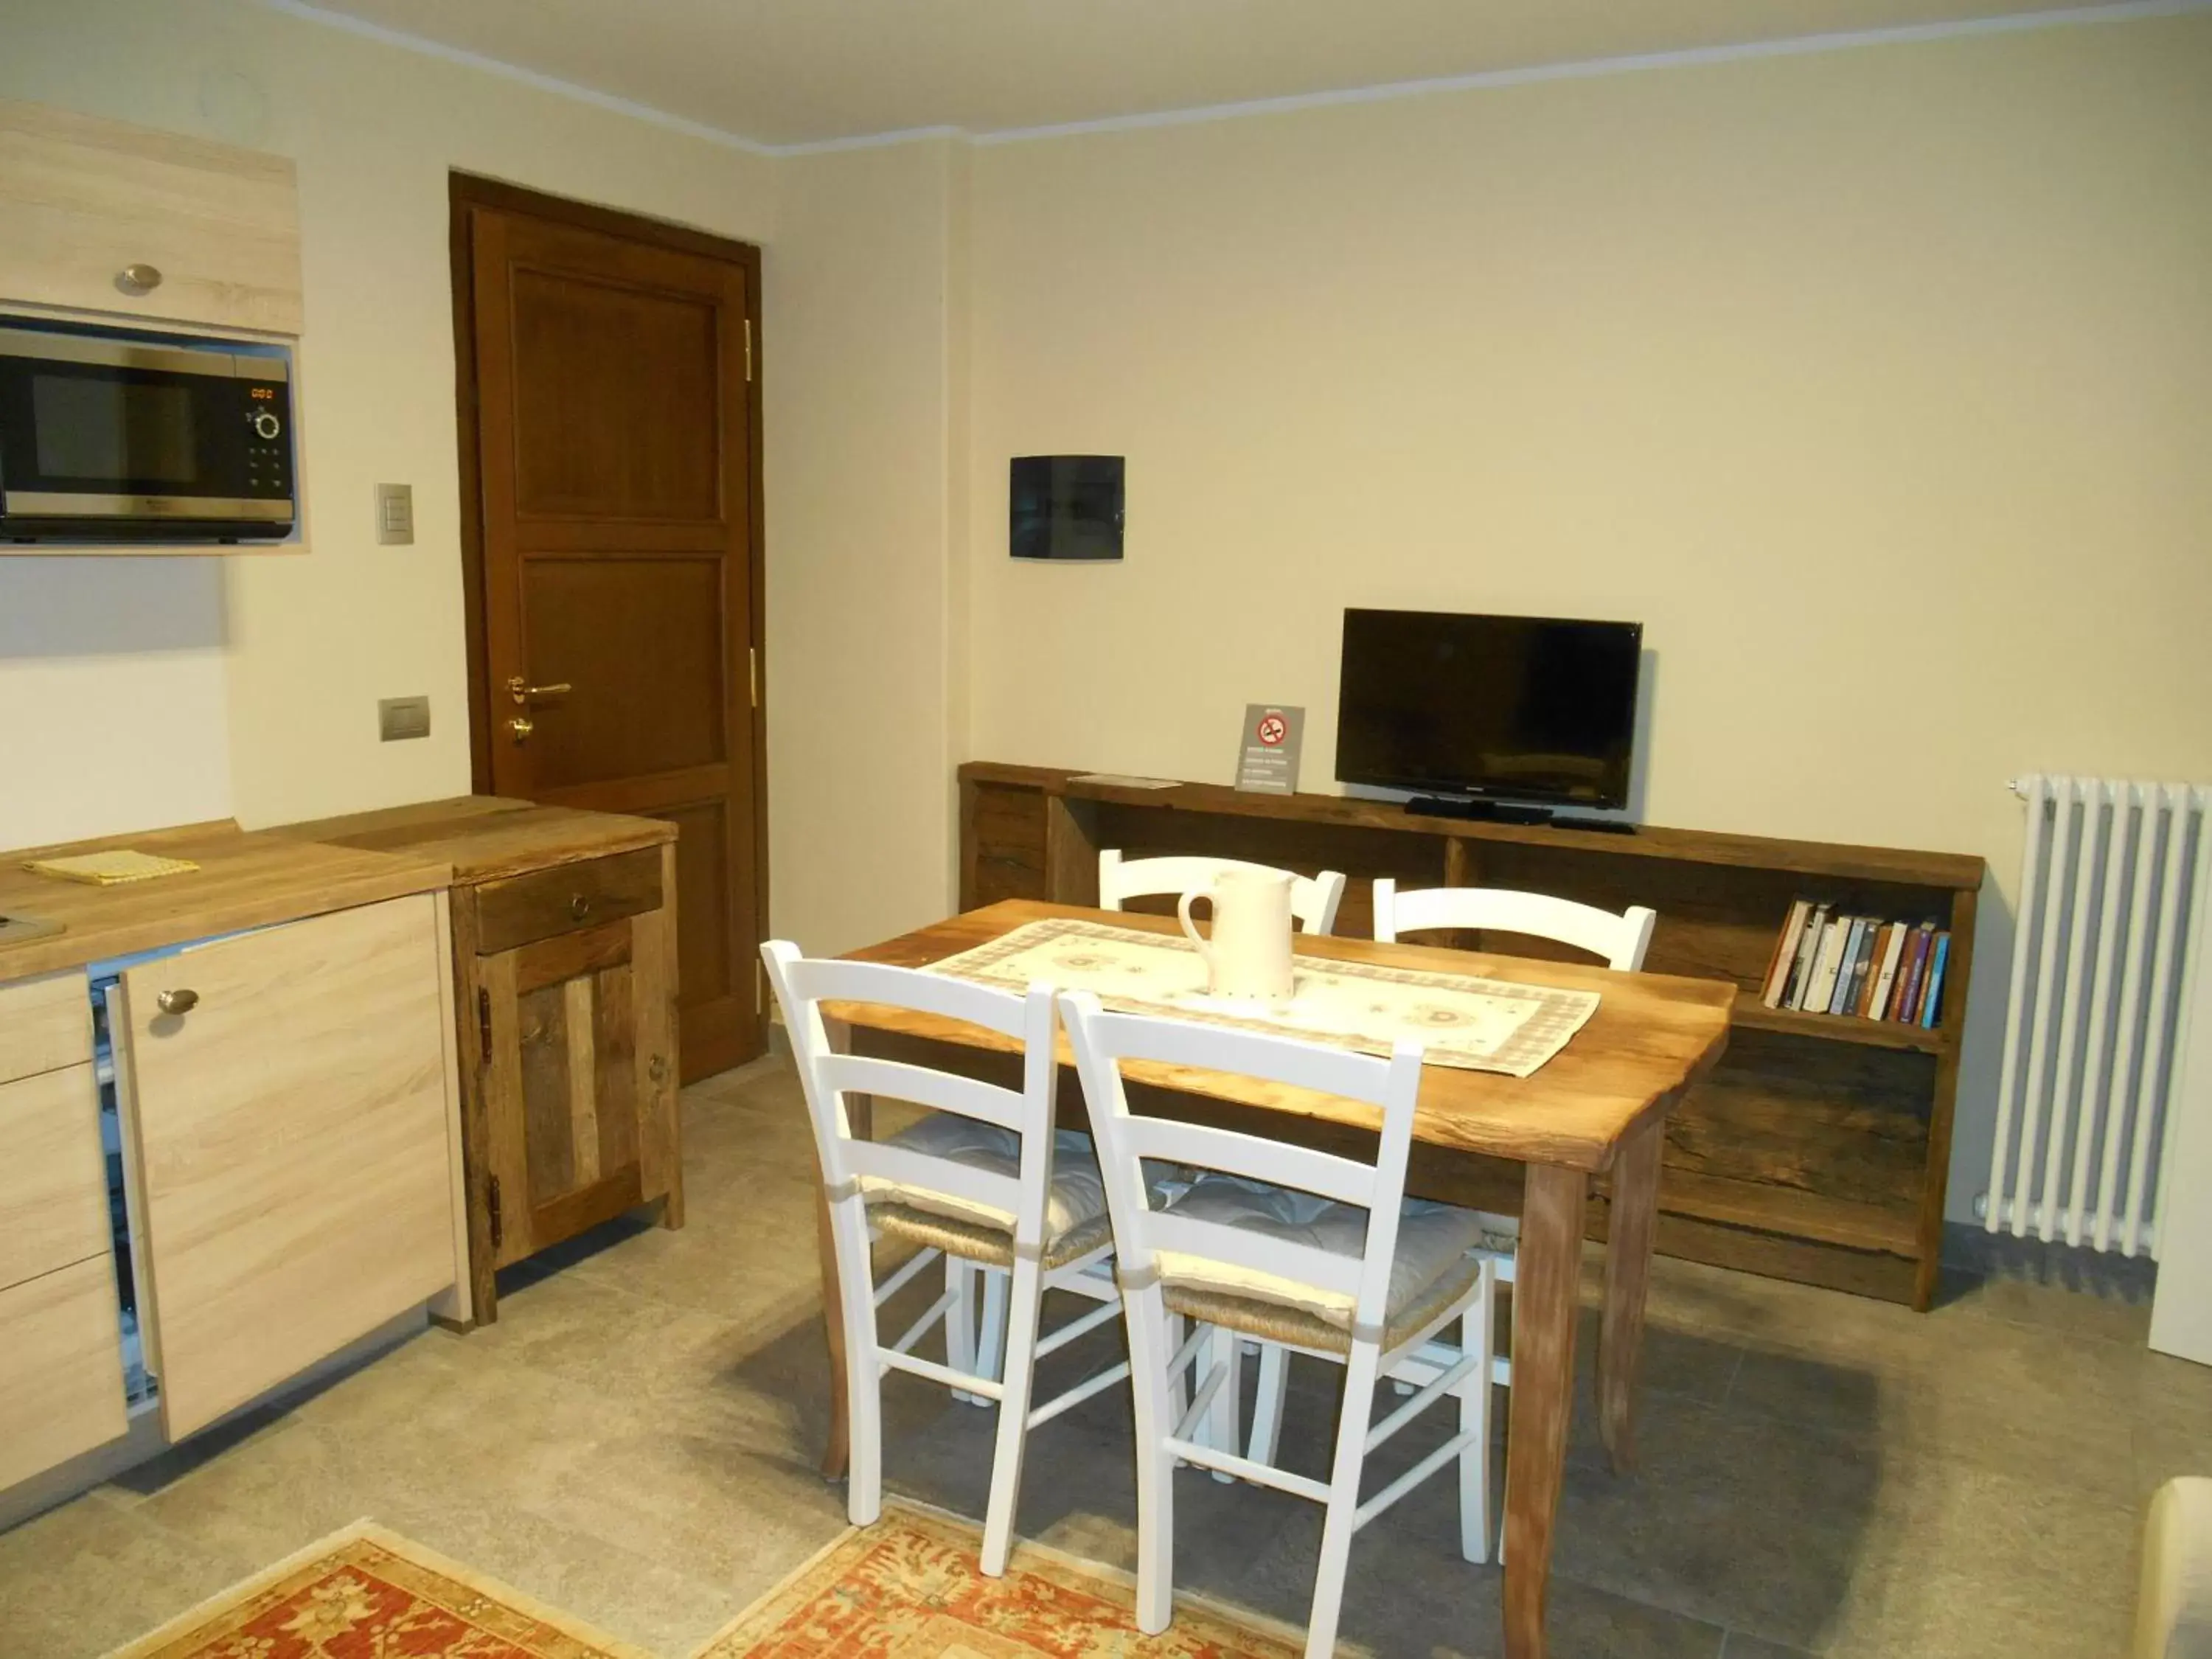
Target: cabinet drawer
[
  {"x": 84, "y": 198},
  {"x": 53, "y": 1178},
  {"x": 45, "y": 1024},
  {"x": 567, "y": 897},
  {"x": 61, "y": 1369}
]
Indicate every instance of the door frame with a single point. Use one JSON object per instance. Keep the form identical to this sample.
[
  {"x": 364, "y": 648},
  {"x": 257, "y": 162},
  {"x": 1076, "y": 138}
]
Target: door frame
[{"x": 465, "y": 190}]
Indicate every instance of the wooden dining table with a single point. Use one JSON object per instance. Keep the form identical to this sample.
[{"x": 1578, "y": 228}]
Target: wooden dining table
[{"x": 1594, "y": 1112}]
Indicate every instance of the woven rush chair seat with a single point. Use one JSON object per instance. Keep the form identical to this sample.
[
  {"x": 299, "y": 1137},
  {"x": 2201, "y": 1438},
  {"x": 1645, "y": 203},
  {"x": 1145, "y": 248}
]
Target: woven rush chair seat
[{"x": 979, "y": 1241}]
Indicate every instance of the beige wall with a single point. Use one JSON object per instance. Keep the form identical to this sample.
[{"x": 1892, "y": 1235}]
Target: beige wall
[
  {"x": 305, "y": 645},
  {"x": 1877, "y": 384},
  {"x": 862, "y": 690}
]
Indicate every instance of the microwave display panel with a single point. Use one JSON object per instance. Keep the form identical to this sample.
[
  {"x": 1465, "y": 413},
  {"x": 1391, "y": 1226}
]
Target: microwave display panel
[{"x": 112, "y": 430}]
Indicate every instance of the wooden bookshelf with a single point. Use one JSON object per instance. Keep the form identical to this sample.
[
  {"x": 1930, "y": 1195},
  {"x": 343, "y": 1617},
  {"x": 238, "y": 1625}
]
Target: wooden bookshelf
[{"x": 1818, "y": 1149}]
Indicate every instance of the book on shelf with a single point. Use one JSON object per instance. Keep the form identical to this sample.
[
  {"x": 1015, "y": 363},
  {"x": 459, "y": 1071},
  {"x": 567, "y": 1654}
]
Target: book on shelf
[
  {"x": 1931, "y": 993},
  {"x": 1893, "y": 947},
  {"x": 1855, "y": 967},
  {"x": 1809, "y": 950},
  {"x": 1915, "y": 969},
  {"x": 1875, "y": 939},
  {"x": 1861, "y": 951},
  {"x": 1825, "y": 965},
  {"x": 1783, "y": 962}
]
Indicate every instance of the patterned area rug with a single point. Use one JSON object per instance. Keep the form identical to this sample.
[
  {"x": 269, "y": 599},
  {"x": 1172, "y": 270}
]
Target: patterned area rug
[
  {"x": 367, "y": 1594},
  {"x": 908, "y": 1588}
]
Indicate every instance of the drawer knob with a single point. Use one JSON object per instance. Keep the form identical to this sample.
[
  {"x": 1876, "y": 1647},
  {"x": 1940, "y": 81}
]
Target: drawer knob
[
  {"x": 658, "y": 1070},
  {"x": 580, "y": 907},
  {"x": 178, "y": 1002},
  {"x": 138, "y": 279}
]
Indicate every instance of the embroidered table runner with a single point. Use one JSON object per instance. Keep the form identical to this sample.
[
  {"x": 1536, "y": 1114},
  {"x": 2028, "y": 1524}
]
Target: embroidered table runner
[{"x": 1472, "y": 1024}]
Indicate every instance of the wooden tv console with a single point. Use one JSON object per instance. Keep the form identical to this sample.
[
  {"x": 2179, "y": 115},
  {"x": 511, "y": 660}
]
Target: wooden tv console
[{"x": 1818, "y": 1151}]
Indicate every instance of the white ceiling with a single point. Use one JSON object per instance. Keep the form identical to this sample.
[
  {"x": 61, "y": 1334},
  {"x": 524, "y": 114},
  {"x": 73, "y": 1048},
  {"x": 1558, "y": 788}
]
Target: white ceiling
[{"x": 801, "y": 71}]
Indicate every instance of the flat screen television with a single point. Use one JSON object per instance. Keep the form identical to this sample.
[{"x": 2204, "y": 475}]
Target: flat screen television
[{"x": 1522, "y": 708}]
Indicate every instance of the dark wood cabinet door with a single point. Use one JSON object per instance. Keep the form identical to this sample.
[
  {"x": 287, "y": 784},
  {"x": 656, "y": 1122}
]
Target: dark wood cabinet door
[
  {"x": 579, "y": 1086},
  {"x": 614, "y": 464}
]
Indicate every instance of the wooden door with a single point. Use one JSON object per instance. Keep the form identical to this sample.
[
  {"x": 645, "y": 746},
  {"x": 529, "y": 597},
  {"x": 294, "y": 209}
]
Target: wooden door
[
  {"x": 615, "y": 455},
  {"x": 291, "y": 1146},
  {"x": 579, "y": 1093}
]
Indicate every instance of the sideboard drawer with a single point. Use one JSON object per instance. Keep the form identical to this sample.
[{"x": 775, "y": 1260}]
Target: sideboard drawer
[
  {"x": 53, "y": 1178},
  {"x": 566, "y": 898},
  {"x": 45, "y": 1024}
]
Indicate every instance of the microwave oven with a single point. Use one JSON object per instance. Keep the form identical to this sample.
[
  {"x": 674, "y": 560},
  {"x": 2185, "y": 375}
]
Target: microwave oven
[{"x": 108, "y": 439}]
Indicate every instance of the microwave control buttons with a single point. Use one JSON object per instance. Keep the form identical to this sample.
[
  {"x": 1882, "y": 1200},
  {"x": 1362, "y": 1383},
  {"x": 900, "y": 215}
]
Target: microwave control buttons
[{"x": 266, "y": 424}]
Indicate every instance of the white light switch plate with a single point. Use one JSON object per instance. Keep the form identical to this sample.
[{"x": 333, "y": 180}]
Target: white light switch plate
[{"x": 395, "y": 514}]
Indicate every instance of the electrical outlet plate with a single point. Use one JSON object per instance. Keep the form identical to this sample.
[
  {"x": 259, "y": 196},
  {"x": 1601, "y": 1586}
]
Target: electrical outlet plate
[
  {"x": 395, "y": 515},
  {"x": 398, "y": 718}
]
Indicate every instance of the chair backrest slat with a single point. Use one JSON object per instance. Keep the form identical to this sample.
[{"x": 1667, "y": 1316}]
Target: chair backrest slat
[
  {"x": 1104, "y": 1043},
  {"x": 896, "y": 1080},
  {"x": 803, "y": 984},
  {"x": 1275, "y": 1161},
  {"x": 1621, "y": 939},
  {"x": 826, "y": 980},
  {"x": 1314, "y": 899}
]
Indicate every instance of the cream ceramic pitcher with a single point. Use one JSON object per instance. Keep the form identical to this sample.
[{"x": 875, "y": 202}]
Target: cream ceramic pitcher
[{"x": 1249, "y": 954}]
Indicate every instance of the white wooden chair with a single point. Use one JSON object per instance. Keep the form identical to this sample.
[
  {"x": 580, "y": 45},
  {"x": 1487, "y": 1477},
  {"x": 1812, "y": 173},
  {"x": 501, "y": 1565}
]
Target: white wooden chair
[
  {"x": 982, "y": 1180},
  {"x": 1620, "y": 939},
  {"x": 1314, "y": 899},
  {"x": 1316, "y": 1252}
]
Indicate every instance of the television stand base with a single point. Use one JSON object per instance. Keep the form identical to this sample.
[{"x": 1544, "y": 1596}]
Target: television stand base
[
  {"x": 1489, "y": 811},
  {"x": 1502, "y": 812}
]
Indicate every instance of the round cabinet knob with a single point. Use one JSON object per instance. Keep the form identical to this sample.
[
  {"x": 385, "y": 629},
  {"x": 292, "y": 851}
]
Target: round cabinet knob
[
  {"x": 580, "y": 907},
  {"x": 138, "y": 279},
  {"x": 267, "y": 426},
  {"x": 178, "y": 1002}
]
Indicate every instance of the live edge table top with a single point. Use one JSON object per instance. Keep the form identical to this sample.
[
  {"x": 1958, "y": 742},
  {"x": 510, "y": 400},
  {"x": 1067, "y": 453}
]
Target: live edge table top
[{"x": 1653, "y": 1035}]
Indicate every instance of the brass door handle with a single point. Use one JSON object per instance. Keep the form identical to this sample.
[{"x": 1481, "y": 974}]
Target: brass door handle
[
  {"x": 523, "y": 692},
  {"x": 522, "y": 726},
  {"x": 177, "y": 1002}
]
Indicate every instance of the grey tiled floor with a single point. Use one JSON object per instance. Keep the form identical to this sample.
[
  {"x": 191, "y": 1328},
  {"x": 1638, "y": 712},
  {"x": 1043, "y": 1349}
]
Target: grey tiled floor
[{"x": 633, "y": 1442}]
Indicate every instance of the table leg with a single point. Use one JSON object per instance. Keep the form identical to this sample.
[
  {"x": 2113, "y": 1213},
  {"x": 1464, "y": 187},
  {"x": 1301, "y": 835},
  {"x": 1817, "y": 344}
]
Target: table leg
[
  {"x": 1631, "y": 1226},
  {"x": 1547, "y": 1296}
]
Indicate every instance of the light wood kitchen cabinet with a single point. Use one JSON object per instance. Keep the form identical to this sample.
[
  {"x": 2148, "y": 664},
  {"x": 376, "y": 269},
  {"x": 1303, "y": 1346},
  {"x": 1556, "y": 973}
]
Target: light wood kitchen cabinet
[
  {"x": 61, "y": 1368},
  {"x": 288, "y": 1115},
  {"x": 61, "y": 1365},
  {"x": 94, "y": 208},
  {"x": 53, "y": 1176}
]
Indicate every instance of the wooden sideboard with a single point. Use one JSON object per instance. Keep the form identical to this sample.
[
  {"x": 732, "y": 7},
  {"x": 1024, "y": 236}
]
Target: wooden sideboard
[
  {"x": 564, "y": 988},
  {"x": 1818, "y": 1151}
]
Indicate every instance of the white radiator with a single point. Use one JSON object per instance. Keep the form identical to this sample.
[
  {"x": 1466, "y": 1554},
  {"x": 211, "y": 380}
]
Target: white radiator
[{"x": 2102, "y": 958}]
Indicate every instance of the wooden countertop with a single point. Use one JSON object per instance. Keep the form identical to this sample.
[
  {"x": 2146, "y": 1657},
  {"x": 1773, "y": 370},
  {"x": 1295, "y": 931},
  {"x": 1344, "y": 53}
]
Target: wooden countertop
[
  {"x": 244, "y": 881},
  {"x": 485, "y": 837}
]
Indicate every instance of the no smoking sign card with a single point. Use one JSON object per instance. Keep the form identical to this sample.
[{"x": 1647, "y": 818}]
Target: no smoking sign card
[{"x": 1267, "y": 751}]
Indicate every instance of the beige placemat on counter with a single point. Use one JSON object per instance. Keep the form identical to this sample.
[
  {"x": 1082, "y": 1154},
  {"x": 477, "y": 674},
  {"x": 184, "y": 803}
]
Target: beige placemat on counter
[{"x": 1474, "y": 1023}]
